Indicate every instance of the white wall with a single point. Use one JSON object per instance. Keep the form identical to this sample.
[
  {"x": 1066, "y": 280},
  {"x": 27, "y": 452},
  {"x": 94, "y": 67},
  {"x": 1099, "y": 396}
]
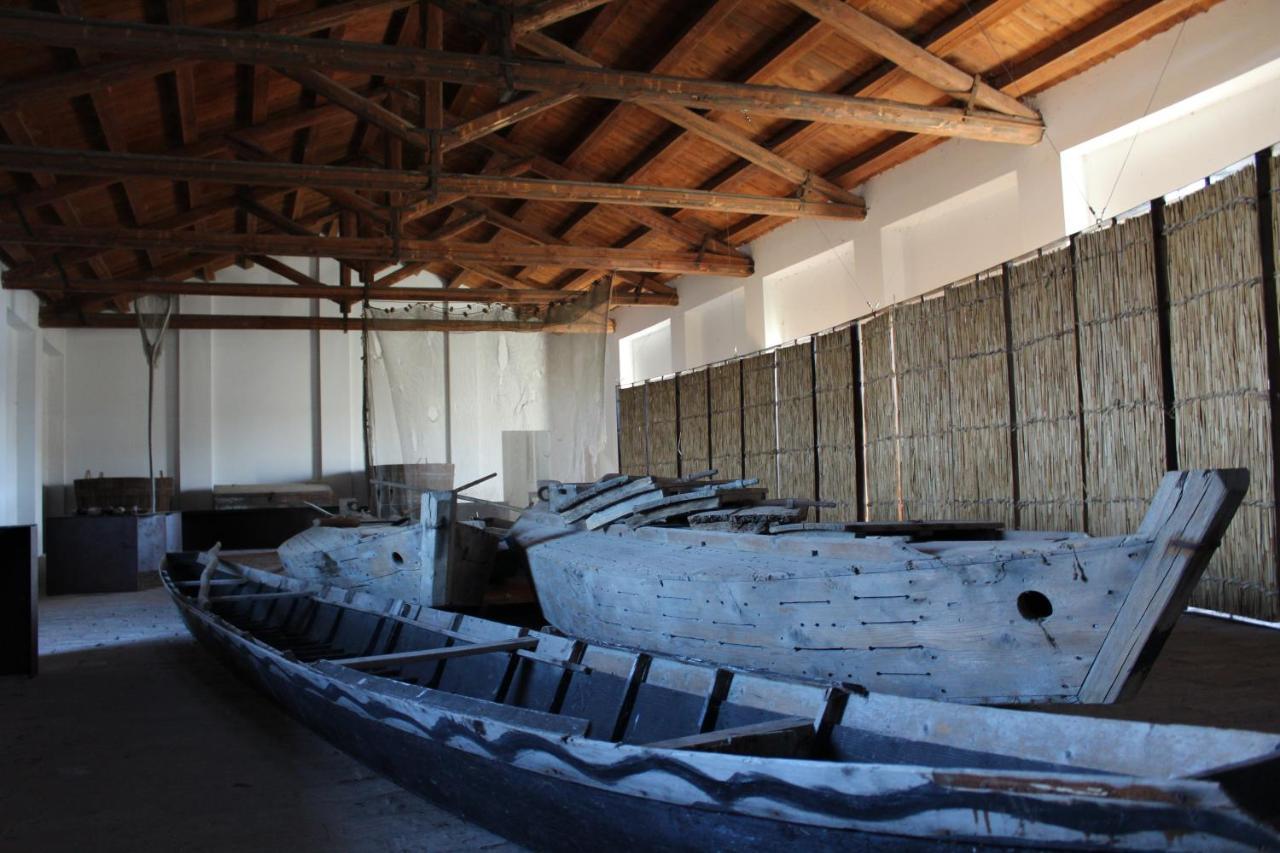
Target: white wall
[{"x": 965, "y": 206}]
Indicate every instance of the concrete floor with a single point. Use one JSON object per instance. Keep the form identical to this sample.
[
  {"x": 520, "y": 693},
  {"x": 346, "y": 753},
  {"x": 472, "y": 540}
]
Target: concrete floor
[{"x": 132, "y": 738}]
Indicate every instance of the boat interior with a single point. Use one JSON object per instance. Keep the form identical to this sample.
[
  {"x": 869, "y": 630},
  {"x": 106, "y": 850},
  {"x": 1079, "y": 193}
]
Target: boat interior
[{"x": 547, "y": 682}]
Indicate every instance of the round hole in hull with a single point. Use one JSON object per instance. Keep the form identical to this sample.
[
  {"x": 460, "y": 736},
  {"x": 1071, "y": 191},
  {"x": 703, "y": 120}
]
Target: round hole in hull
[
  {"x": 396, "y": 558},
  {"x": 1034, "y": 605}
]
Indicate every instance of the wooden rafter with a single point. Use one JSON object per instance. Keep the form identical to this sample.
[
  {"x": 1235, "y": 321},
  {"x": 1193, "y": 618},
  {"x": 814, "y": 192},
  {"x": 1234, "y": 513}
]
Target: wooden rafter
[{"x": 292, "y": 52}]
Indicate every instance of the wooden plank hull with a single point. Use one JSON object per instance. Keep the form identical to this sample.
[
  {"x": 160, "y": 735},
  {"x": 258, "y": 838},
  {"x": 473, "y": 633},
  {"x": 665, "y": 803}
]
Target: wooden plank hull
[
  {"x": 1028, "y": 618},
  {"x": 556, "y": 791}
]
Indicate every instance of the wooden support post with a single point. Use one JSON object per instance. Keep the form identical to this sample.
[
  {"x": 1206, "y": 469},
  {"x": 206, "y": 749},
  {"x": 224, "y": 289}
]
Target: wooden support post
[
  {"x": 859, "y": 427},
  {"x": 1084, "y": 448},
  {"x": 1163, "y": 323},
  {"x": 1014, "y": 489},
  {"x": 1270, "y": 324},
  {"x": 813, "y": 400}
]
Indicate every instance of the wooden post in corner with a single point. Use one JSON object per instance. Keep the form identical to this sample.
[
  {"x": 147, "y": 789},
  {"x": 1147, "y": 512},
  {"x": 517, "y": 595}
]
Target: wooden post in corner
[{"x": 1271, "y": 327}]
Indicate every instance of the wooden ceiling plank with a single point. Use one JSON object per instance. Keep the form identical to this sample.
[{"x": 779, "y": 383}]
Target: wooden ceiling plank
[
  {"x": 26, "y": 27},
  {"x": 380, "y": 248},
  {"x": 866, "y": 31}
]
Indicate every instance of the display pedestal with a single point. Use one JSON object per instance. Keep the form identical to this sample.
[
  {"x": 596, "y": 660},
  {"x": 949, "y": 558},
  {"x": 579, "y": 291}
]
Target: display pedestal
[{"x": 107, "y": 553}]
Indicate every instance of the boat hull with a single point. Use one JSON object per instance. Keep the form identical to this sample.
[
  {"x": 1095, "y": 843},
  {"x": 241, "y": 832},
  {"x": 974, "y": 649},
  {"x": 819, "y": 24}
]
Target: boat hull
[
  {"x": 559, "y": 791},
  {"x": 1031, "y": 618}
]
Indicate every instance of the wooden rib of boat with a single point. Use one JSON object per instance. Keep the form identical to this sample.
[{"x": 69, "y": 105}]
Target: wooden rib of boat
[
  {"x": 564, "y": 745},
  {"x": 957, "y": 611}
]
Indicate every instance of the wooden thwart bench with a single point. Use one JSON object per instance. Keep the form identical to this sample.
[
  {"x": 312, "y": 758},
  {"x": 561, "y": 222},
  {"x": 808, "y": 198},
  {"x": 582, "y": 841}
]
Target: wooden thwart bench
[
  {"x": 438, "y": 654},
  {"x": 788, "y": 737}
]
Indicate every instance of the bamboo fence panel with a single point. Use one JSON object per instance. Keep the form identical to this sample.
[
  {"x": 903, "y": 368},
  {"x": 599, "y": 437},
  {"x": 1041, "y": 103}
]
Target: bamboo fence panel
[
  {"x": 664, "y": 459},
  {"x": 982, "y": 466},
  {"x": 726, "y": 418},
  {"x": 695, "y": 422},
  {"x": 1222, "y": 412},
  {"x": 633, "y": 449},
  {"x": 759, "y": 420},
  {"x": 924, "y": 408},
  {"x": 1046, "y": 393},
  {"x": 1120, "y": 370},
  {"x": 835, "y": 388},
  {"x": 880, "y": 419},
  {"x": 796, "y": 451}
]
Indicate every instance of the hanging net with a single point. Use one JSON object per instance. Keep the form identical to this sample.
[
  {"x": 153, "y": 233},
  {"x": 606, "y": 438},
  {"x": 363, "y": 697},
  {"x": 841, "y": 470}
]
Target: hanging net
[
  {"x": 154, "y": 312},
  {"x": 446, "y": 408}
]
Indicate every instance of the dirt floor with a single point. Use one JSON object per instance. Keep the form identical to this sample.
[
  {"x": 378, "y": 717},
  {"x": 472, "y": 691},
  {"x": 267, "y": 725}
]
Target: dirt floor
[{"x": 133, "y": 738}]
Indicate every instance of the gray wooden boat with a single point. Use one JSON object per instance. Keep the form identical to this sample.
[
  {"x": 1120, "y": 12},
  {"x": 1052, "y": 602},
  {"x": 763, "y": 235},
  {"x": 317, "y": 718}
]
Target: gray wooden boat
[
  {"x": 963, "y": 612},
  {"x": 560, "y": 744}
]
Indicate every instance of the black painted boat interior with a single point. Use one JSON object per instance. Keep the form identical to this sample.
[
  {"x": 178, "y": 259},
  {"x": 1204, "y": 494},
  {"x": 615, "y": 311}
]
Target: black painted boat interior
[{"x": 308, "y": 630}]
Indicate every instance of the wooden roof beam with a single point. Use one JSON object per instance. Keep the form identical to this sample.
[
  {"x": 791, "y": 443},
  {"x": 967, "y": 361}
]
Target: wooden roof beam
[
  {"x": 862, "y": 29},
  {"x": 311, "y": 290},
  {"x": 55, "y": 320},
  {"x": 549, "y": 12},
  {"x": 20, "y": 26},
  {"x": 380, "y": 249},
  {"x": 723, "y": 135},
  {"x": 352, "y": 178},
  {"x": 276, "y": 126}
]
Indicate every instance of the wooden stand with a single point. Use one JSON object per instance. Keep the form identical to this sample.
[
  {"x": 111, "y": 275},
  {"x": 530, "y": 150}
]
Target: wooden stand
[{"x": 19, "y": 651}]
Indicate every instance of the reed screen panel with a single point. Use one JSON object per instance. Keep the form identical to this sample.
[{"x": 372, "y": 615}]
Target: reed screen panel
[
  {"x": 1120, "y": 373},
  {"x": 978, "y": 365},
  {"x": 796, "y": 452},
  {"x": 835, "y": 391},
  {"x": 924, "y": 408},
  {"x": 663, "y": 423},
  {"x": 725, "y": 382},
  {"x": 1222, "y": 414},
  {"x": 633, "y": 448},
  {"x": 1046, "y": 393},
  {"x": 880, "y": 418},
  {"x": 760, "y": 420},
  {"x": 695, "y": 422}
]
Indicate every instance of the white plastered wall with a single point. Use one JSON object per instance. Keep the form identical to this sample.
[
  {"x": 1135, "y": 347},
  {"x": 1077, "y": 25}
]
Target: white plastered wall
[{"x": 963, "y": 207}]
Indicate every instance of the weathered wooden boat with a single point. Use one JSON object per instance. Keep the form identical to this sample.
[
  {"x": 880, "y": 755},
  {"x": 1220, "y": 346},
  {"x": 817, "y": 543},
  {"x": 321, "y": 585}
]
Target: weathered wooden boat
[
  {"x": 563, "y": 745},
  {"x": 439, "y": 559},
  {"x": 964, "y": 612}
]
